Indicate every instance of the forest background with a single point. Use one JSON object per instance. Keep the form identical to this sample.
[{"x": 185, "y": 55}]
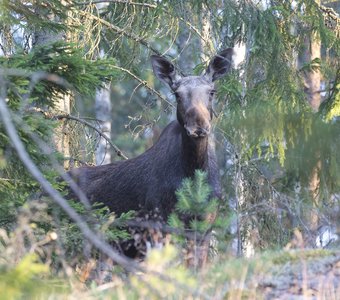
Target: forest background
[{"x": 76, "y": 87}]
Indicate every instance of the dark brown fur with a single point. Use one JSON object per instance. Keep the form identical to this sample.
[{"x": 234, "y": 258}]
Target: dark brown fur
[{"x": 149, "y": 181}]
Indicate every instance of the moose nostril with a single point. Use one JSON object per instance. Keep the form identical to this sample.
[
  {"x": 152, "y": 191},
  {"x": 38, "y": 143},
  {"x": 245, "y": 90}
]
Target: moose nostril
[
  {"x": 199, "y": 131},
  {"x": 196, "y": 132}
]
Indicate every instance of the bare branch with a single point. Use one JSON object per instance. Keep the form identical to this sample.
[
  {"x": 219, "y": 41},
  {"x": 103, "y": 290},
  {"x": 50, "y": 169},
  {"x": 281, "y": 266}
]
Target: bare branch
[
  {"x": 132, "y": 36},
  {"x": 144, "y": 83},
  {"x": 65, "y": 176},
  {"x": 70, "y": 117}
]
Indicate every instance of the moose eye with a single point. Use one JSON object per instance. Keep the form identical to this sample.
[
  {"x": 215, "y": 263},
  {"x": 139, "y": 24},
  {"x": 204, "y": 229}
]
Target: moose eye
[{"x": 212, "y": 93}]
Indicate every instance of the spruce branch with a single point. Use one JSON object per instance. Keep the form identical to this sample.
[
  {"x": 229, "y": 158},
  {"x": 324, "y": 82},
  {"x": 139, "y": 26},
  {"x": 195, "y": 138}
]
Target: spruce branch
[
  {"x": 121, "y": 31},
  {"x": 138, "y": 39},
  {"x": 41, "y": 75},
  {"x": 148, "y": 5}
]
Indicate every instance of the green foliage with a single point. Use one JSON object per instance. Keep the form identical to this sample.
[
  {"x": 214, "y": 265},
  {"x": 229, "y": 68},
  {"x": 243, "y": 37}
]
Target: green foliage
[
  {"x": 193, "y": 195},
  {"x": 164, "y": 262},
  {"x": 30, "y": 17},
  {"x": 16, "y": 184},
  {"x": 194, "y": 203},
  {"x": 331, "y": 106},
  {"x": 106, "y": 223},
  {"x": 23, "y": 280},
  {"x": 61, "y": 59},
  {"x": 266, "y": 116},
  {"x": 32, "y": 82}
]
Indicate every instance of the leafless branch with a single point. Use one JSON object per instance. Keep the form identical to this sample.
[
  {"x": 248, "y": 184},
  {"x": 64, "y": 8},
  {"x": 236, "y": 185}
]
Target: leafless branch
[
  {"x": 132, "y": 36},
  {"x": 144, "y": 83},
  {"x": 70, "y": 117},
  {"x": 46, "y": 149}
]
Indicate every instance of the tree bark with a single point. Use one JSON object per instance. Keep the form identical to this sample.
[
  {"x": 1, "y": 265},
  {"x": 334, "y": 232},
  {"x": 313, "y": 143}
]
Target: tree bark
[
  {"x": 312, "y": 80},
  {"x": 63, "y": 102},
  {"x": 103, "y": 113},
  {"x": 103, "y": 109}
]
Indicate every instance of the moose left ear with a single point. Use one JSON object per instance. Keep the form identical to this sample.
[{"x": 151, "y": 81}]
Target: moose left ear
[
  {"x": 220, "y": 64},
  {"x": 164, "y": 70}
]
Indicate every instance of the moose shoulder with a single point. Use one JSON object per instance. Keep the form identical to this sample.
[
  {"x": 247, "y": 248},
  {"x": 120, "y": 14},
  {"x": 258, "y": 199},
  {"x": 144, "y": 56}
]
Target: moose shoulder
[{"x": 149, "y": 181}]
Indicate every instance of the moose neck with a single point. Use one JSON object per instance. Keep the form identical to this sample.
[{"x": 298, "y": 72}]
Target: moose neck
[{"x": 195, "y": 153}]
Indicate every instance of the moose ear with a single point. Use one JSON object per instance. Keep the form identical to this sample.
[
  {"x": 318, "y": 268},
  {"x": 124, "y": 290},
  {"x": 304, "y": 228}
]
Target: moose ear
[
  {"x": 164, "y": 70},
  {"x": 220, "y": 64}
]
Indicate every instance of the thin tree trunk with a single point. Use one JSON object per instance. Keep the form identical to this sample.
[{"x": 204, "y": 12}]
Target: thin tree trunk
[
  {"x": 243, "y": 242},
  {"x": 312, "y": 89},
  {"x": 103, "y": 113},
  {"x": 61, "y": 135},
  {"x": 313, "y": 81},
  {"x": 103, "y": 109},
  {"x": 207, "y": 43},
  {"x": 62, "y": 102},
  {"x": 313, "y": 78}
]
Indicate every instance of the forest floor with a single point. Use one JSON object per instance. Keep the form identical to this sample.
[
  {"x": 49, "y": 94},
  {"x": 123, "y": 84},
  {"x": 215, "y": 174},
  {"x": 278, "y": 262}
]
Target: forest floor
[
  {"x": 293, "y": 274},
  {"x": 298, "y": 274}
]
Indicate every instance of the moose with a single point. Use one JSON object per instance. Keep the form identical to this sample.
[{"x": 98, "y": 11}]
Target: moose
[{"x": 149, "y": 181}]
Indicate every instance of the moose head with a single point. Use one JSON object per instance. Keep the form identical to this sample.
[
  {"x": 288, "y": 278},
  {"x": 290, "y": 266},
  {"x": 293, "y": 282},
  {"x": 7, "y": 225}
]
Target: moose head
[{"x": 194, "y": 94}]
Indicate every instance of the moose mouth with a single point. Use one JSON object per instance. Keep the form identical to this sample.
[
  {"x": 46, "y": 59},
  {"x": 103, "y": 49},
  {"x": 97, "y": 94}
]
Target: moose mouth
[{"x": 196, "y": 133}]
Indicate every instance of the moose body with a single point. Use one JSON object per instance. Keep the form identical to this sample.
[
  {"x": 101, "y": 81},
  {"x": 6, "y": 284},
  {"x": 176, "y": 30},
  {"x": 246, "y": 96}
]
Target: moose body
[{"x": 150, "y": 180}]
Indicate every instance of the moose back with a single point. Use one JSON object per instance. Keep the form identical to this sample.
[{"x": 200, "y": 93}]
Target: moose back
[{"x": 149, "y": 181}]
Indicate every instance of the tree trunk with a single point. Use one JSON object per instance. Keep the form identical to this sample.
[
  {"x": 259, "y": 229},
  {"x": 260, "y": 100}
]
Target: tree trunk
[
  {"x": 103, "y": 109},
  {"x": 243, "y": 243},
  {"x": 62, "y": 102},
  {"x": 312, "y": 80},
  {"x": 103, "y": 113}
]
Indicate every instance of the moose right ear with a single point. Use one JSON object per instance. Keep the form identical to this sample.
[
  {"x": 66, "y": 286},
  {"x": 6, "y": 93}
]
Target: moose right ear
[
  {"x": 220, "y": 64},
  {"x": 164, "y": 70}
]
